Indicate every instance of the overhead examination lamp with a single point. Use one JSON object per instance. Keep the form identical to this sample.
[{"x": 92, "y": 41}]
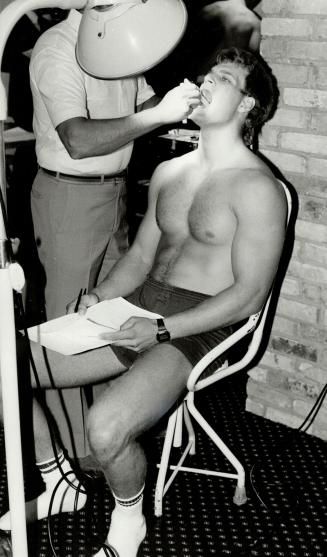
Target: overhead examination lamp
[{"x": 121, "y": 38}]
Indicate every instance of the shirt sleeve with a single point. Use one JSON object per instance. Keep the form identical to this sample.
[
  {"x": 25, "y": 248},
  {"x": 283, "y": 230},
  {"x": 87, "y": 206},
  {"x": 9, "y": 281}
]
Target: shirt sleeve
[
  {"x": 60, "y": 84},
  {"x": 144, "y": 91}
]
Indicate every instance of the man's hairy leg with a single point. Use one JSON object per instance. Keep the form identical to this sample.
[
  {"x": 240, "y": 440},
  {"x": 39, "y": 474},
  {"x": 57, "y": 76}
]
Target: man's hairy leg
[
  {"x": 131, "y": 404},
  {"x": 56, "y": 370}
]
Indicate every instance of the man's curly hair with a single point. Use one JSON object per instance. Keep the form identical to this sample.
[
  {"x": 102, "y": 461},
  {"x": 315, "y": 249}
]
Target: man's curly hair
[{"x": 260, "y": 84}]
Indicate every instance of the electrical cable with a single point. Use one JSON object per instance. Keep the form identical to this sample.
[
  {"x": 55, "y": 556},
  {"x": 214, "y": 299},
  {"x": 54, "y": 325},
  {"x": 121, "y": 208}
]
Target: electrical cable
[
  {"x": 83, "y": 476},
  {"x": 109, "y": 552},
  {"x": 64, "y": 476},
  {"x": 62, "y": 479},
  {"x": 4, "y": 215},
  {"x": 314, "y": 411},
  {"x": 302, "y": 428},
  {"x": 257, "y": 546}
]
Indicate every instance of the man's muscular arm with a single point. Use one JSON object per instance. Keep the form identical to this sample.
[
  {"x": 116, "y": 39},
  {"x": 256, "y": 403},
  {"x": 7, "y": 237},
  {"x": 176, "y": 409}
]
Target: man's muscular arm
[{"x": 85, "y": 137}]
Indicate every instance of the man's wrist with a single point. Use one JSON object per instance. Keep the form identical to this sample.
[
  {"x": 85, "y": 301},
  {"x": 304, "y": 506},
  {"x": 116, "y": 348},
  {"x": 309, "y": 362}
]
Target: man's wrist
[
  {"x": 152, "y": 117},
  {"x": 163, "y": 335},
  {"x": 96, "y": 294}
]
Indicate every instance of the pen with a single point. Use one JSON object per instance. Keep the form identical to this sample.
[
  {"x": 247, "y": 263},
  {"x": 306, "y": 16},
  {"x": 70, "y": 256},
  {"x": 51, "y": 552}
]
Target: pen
[{"x": 81, "y": 293}]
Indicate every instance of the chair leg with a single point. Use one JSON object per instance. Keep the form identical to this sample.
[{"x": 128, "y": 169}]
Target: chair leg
[
  {"x": 190, "y": 429},
  {"x": 240, "y": 497},
  {"x": 160, "y": 485},
  {"x": 179, "y": 427},
  {"x": 174, "y": 438},
  {"x": 240, "y": 494}
]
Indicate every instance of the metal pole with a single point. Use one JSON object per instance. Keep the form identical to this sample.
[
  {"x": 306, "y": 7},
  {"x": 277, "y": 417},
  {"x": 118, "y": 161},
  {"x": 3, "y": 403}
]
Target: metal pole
[{"x": 11, "y": 415}]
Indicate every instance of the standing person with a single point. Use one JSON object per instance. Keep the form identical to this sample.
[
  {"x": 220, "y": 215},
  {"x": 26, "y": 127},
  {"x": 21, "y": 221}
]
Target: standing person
[
  {"x": 84, "y": 129},
  {"x": 204, "y": 257}
]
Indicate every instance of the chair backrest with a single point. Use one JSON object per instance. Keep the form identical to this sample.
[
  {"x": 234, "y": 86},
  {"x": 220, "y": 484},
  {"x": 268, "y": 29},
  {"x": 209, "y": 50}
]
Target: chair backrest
[{"x": 255, "y": 322}]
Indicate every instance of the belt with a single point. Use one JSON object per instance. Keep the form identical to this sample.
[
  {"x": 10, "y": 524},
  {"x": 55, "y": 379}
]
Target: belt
[{"x": 99, "y": 179}]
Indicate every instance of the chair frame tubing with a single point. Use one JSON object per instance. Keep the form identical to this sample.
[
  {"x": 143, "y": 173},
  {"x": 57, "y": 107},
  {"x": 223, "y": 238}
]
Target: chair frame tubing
[{"x": 162, "y": 486}]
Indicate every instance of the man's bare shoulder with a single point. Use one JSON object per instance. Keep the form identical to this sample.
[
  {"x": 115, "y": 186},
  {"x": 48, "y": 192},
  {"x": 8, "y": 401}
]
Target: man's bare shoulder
[
  {"x": 172, "y": 167},
  {"x": 166, "y": 173},
  {"x": 257, "y": 190}
]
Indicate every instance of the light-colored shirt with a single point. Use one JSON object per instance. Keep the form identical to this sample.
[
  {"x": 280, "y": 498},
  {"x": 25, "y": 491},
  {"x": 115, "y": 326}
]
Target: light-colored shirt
[{"x": 61, "y": 90}]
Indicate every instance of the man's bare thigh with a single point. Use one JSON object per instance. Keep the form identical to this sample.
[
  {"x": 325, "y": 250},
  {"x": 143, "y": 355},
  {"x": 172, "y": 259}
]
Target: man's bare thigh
[{"x": 72, "y": 371}]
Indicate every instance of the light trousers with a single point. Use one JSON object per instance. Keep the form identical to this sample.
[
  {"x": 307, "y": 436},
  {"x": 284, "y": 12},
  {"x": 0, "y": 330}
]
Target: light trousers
[{"x": 80, "y": 232}]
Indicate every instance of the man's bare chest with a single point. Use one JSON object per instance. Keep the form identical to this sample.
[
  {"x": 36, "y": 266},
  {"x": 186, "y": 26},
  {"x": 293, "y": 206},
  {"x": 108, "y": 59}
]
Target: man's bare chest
[{"x": 202, "y": 211}]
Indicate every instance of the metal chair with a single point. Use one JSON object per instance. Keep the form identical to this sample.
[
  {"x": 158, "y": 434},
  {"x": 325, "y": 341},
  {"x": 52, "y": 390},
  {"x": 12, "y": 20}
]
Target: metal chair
[{"x": 182, "y": 415}]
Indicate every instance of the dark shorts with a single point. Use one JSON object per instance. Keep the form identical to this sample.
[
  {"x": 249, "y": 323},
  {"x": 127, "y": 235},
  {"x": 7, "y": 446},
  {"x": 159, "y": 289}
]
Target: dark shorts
[{"x": 167, "y": 300}]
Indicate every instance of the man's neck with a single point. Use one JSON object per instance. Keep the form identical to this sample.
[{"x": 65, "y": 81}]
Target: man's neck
[{"x": 220, "y": 147}]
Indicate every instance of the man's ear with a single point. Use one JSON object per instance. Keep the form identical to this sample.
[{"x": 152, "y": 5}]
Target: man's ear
[{"x": 246, "y": 104}]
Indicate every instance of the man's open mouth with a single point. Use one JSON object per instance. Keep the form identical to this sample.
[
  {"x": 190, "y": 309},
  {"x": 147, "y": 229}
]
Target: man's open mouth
[{"x": 205, "y": 97}]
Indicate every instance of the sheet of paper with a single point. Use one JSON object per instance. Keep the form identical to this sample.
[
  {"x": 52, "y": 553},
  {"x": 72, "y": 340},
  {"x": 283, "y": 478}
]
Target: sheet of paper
[
  {"x": 113, "y": 313},
  {"x": 73, "y": 333}
]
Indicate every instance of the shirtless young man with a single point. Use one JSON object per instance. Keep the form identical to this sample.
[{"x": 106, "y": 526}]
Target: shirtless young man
[{"x": 204, "y": 257}]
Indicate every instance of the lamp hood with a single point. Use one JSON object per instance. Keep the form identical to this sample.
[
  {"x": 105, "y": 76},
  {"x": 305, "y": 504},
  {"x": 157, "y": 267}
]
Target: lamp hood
[{"x": 121, "y": 38}]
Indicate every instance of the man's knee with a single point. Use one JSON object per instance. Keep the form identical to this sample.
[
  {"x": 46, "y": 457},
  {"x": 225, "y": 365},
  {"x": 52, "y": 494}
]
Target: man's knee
[{"x": 108, "y": 433}]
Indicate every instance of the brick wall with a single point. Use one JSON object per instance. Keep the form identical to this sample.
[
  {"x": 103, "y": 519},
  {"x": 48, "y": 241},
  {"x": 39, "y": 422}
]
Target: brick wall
[{"x": 291, "y": 374}]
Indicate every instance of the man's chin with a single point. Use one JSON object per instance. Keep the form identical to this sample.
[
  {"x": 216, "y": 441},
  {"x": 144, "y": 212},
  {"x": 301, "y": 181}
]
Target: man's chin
[{"x": 195, "y": 115}]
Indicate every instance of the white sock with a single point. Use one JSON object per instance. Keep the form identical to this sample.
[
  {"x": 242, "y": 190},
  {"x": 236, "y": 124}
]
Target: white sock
[
  {"x": 64, "y": 499},
  {"x": 127, "y": 528}
]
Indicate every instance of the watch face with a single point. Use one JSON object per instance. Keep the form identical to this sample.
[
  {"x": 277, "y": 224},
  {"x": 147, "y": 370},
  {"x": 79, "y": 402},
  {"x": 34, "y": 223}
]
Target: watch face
[{"x": 163, "y": 336}]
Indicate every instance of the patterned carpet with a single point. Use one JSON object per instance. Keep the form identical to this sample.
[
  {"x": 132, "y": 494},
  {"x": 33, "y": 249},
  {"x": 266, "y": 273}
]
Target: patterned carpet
[{"x": 286, "y": 485}]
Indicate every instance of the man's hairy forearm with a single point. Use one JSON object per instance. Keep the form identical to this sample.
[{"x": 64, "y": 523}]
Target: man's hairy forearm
[
  {"x": 84, "y": 137},
  {"x": 126, "y": 275}
]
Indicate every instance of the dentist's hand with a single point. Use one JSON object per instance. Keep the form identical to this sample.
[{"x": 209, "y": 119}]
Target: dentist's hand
[{"x": 179, "y": 102}]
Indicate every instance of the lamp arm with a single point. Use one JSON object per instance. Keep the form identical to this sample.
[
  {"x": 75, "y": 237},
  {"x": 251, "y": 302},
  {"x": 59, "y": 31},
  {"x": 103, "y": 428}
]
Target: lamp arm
[{"x": 9, "y": 17}]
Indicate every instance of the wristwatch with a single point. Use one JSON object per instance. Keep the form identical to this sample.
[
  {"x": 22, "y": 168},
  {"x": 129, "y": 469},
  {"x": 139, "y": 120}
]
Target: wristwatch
[{"x": 162, "y": 335}]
